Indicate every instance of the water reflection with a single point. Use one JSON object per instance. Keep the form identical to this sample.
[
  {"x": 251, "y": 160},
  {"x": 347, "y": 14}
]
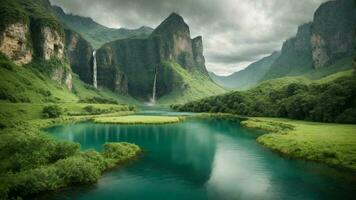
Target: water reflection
[
  {"x": 187, "y": 151},
  {"x": 201, "y": 159}
]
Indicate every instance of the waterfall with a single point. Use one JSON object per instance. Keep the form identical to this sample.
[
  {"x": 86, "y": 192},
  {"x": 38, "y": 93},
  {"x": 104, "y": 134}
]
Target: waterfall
[
  {"x": 153, "y": 100},
  {"x": 95, "y": 83}
]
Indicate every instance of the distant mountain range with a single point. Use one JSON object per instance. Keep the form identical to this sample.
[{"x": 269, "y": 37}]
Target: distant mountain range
[
  {"x": 95, "y": 33},
  {"x": 325, "y": 42}
]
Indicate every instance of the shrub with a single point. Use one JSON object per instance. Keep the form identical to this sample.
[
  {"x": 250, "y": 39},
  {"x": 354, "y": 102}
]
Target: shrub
[
  {"x": 34, "y": 181},
  {"x": 63, "y": 150},
  {"x": 77, "y": 169},
  {"x": 52, "y": 111},
  {"x": 117, "y": 152}
]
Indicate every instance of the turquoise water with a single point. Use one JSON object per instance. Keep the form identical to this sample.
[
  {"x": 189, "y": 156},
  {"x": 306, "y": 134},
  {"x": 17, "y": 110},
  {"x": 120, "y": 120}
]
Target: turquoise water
[{"x": 200, "y": 159}]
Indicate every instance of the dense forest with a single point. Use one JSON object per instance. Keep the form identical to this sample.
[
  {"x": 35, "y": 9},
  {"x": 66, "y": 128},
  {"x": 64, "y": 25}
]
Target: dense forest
[{"x": 332, "y": 99}]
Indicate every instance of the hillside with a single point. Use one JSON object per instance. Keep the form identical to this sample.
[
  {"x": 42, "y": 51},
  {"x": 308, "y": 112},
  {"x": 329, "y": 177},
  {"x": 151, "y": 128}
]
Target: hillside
[
  {"x": 95, "y": 33},
  {"x": 330, "y": 99},
  {"x": 248, "y": 77}
]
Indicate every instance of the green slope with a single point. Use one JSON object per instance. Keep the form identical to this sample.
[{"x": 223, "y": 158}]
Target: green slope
[
  {"x": 95, "y": 33},
  {"x": 248, "y": 77},
  {"x": 189, "y": 86}
]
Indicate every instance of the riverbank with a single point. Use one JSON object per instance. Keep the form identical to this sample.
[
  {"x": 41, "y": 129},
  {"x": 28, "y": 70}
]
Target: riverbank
[
  {"x": 333, "y": 144},
  {"x": 32, "y": 162}
]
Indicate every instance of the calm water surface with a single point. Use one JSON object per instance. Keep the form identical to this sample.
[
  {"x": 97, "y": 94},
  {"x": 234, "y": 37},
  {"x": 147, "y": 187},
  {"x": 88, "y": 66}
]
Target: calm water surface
[{"x": 200, "y": 159}]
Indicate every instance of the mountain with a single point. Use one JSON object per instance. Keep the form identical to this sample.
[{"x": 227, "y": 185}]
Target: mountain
[
  {"x": 248, "y": 77},
  {"x": 168, "y": 56},
  {"x": 95, "y": 33},
  {"x": 324, "y": 46},
  {"x": 321, "y": 43}
]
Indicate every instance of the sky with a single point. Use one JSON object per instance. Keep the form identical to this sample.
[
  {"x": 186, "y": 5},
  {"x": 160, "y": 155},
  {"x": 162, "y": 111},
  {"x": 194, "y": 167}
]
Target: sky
[{"x": 235, "y": 32}]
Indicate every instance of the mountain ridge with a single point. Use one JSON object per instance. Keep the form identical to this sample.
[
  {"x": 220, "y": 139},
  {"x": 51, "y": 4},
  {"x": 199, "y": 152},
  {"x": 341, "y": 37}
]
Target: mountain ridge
[{"x": 96, "y": 33}]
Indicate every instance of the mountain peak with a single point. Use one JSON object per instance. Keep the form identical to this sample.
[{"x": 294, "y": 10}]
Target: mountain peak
[
  {"x": 174, "y": 16},
  {"x": 174, "y": 22}
]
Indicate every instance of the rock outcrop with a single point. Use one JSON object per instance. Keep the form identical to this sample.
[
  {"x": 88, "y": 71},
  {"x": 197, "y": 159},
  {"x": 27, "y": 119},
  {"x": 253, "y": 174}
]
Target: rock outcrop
[
  {"x": 47, "y": 42},
  {"x": 14, "y": 43},
  {"x": 333, "y": 32},
  {"x": 62, "y": 76},
  {"x": 129, "y": 65},
  {"x": 79, "y": 52}
]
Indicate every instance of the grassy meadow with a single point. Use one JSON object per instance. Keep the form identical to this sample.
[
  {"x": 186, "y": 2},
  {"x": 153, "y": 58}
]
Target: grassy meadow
[{"x": 334, "y": 144}]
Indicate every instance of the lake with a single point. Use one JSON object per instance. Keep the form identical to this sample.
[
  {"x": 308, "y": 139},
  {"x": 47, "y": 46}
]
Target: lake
[{"x": 200, "y": 159}]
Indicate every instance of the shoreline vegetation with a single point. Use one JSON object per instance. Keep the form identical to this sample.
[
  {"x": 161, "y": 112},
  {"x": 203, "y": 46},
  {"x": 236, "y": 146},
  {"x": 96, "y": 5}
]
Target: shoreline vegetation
[
  {"x": 138, "y": 119},
  {"x": 329, "y": 143},
  {"x": 40, "y": 163}
]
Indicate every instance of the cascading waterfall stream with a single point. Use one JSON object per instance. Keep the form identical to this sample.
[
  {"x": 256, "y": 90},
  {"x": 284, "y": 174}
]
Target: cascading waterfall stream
[
  {"x": 153, "y": 100},
  {"x": 95, "y": 83}
]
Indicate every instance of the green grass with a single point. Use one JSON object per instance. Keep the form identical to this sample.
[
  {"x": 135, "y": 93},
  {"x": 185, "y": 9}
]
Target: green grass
[
  {"x": 138, "y": 119},
  {"x": 334, "y": 144},
  {"x": 197, "y": 86},
  {"x": 32, "y": 162}
]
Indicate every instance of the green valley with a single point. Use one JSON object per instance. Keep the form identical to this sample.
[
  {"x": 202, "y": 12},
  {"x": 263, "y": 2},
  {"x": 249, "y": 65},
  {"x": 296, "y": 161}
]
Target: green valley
[{"x": 99, "y": 111}]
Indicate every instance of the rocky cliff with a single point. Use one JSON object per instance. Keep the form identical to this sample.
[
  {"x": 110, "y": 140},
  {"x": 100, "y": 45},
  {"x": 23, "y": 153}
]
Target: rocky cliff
[
  {"x": 332, "y": 33},
  {"x": 28, "y": 31},
  {"x": 130, "y": 65},
  {"x": 321, "y": 43},
  {"x": 80, "y": 55}
]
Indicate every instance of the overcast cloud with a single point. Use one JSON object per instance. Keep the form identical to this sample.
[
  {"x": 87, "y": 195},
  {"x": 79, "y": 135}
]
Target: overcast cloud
[{"x": 235, "y": 32}]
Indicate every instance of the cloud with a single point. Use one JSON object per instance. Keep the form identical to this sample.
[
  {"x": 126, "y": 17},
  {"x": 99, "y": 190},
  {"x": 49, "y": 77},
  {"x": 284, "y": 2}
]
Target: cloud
[{"x": 235, "y": 32}]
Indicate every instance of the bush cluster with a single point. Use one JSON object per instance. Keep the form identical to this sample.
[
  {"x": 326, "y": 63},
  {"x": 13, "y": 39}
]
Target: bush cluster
[
  {"x": 52, "y": 111},
  {"x": 39, "y": 163}
]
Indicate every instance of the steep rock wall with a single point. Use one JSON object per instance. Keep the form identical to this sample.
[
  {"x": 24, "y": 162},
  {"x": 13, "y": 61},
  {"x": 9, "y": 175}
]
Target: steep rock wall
[
  {"x": 79, "y": 53},
  {"x": 333, "y": 32},
  {"x": 129, "y": 65}
]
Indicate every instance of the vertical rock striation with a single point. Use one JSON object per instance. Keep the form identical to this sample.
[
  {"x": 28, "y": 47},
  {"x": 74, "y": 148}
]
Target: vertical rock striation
[{"x": 79, "y": 53}]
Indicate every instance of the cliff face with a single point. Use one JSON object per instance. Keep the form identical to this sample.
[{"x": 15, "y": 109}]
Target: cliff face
[
  {"x": 14, "y": 43},
  {"x": 332, "y": 34},
  {"x": 79, "y": 52},
  {"x": 130, "y": 65},
  {"x": 327, "y": 39},
  {"x": 28, "y": 30}
]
